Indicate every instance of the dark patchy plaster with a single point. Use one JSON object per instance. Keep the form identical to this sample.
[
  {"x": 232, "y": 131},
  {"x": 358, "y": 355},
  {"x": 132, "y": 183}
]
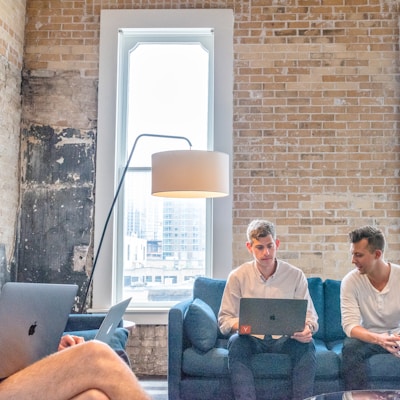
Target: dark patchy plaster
[
  {"x": 65, "y": 157},
  {"x": 56, "y": 205},
  {"x": 53, "y": 222}
]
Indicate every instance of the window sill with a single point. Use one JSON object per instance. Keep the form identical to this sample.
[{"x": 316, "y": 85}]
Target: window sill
[{"x": 142, "y": 316}]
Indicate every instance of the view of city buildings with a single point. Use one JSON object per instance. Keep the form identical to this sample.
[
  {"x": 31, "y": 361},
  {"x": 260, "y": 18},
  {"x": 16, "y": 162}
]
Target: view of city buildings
[{"x": 164, "y": 244}]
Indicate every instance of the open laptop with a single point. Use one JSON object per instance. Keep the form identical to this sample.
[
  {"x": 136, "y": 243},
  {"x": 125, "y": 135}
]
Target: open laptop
[
  {"x": 271, "y": 316},
  {"x": 33, "y": 317},
  {"x": 111, "y": 321}
]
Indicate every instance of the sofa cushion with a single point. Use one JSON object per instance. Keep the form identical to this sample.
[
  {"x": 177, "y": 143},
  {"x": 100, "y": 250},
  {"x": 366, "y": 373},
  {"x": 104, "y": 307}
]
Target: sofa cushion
[
  {"x": 333, "y": 318},
  {"x": 328, "y": 365},
  {"x": 200, "y": 324},
  {"x": 316, "y": 289},
  {"x": 210, "y": 291},
  {"x": 213, "y": 363}
]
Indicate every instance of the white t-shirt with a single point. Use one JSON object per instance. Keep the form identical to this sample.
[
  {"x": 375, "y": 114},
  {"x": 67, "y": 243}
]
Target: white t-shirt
[{"x": 363, "y": 305}]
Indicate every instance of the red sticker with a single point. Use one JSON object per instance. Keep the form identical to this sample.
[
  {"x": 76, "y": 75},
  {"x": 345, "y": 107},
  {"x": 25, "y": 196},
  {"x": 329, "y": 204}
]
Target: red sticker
[{"x": 245, "y": 329}]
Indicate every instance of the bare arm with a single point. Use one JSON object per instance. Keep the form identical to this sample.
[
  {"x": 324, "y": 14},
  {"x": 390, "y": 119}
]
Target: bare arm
[{"x": 386, "y": 340}]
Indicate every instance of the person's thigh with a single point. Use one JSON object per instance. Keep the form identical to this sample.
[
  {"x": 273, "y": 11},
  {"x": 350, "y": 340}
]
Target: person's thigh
[
  {"x": 293, "y": 348},
  {"x": 352, "y": 346},
  {"x": 245, "y": 345}
]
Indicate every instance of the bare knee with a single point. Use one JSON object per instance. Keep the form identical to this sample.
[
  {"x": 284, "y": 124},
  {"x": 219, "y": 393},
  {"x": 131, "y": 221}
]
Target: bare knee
[
  {"x": 92, "y": 394},
  {"x": 95, "y": 347},
  {"x": 100, "y": 354}
]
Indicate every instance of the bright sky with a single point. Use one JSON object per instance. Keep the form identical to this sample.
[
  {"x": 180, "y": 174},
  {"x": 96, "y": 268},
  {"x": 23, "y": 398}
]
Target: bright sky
[{"x": 168, "y": 94}]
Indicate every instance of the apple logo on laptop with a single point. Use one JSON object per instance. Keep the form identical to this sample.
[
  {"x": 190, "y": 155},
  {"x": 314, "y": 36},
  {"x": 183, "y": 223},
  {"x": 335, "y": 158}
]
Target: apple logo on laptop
[{"x": 32, "y": 329}]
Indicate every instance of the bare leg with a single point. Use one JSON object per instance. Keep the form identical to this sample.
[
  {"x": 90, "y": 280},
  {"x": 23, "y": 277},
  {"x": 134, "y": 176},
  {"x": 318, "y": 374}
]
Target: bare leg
[
  {"x": 91, "y": 395},
  {"x": 87, "y": 369}
]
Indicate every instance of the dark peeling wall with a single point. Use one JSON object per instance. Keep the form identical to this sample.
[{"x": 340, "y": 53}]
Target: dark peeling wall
[
  {"x": 58, "y": 157},
  {"x": 56, "y": 205},
  {"x": 57, "y": 179}
]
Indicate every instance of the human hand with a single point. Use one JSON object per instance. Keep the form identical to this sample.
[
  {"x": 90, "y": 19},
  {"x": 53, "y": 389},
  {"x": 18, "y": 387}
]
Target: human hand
[
  {"x": 390, "y": 342},
  {"x": 305, "y": 336},
  {"x": 235, "y": 327},
  {"x": 69, "y": 340}
]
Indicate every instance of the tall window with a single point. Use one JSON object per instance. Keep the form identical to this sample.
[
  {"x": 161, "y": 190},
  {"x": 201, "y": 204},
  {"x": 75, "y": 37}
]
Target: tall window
[
  {"x": 166, "y": 87},
  {"x": 162, "y": 72}
]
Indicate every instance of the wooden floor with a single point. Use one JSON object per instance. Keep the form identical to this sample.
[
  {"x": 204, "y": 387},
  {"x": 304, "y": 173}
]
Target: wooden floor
[{"x": 156, "y": 387}]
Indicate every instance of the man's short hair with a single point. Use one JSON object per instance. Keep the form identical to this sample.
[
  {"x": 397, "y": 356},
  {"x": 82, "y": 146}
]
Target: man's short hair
[
  {"x": 260, "y": 228},
  {"x": 375, "y": 237}
]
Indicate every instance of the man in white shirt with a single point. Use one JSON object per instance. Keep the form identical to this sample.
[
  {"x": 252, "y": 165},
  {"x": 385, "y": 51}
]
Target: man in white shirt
[
  {"x": 267, "y": 277},
  {"x": 370, "y": 306}
]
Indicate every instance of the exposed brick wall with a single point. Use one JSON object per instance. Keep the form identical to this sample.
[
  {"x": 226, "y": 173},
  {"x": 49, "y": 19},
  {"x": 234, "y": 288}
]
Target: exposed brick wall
[
  {"x": 316, "y": 139},
  {"x": 148, "y": 350},
  {"x": 12, "y": 18},
  {"x": 316, "y": 110}
]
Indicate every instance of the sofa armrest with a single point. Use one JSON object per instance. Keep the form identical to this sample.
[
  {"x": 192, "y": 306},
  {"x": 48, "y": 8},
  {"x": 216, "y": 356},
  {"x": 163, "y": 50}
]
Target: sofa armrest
[
  {"x": 176, "y": 343},
  {"x": 84, "y": 322}
]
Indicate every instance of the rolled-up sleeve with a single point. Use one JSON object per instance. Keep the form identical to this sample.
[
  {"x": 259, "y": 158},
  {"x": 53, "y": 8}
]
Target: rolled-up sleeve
[
  {"x": 229, "y": 311},
  {"x": 350, "y": 310}
]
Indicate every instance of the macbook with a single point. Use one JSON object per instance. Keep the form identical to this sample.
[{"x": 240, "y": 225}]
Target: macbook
[
  {"x": 271, "y": 316},
  {"x": 33, "y": 317},
  {"x": 111, "y": 321}
]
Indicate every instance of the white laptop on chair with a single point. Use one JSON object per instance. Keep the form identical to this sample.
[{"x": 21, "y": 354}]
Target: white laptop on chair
[{"x": 111, "y": 321}]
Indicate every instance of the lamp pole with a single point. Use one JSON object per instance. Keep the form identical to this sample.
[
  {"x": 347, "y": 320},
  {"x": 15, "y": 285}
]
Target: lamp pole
[{"x": 90, "y": 279}]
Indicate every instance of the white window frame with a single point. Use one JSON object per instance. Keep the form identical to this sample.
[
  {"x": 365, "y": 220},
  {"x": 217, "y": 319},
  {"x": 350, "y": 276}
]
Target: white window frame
[{"x": 104, "y": 281}]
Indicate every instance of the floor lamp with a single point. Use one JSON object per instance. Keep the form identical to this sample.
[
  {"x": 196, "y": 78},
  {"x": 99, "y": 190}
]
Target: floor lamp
[{"x": 178, "y": 174}]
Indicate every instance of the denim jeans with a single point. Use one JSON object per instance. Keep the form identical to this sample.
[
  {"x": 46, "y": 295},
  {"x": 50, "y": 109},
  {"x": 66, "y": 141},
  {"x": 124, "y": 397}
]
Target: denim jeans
[
  {"x": 302, "y": 355},
  {"x": 355, "y": 353}
]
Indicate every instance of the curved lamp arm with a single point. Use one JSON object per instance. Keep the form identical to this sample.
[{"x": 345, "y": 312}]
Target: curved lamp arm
[{"x": 90, "y": 279}]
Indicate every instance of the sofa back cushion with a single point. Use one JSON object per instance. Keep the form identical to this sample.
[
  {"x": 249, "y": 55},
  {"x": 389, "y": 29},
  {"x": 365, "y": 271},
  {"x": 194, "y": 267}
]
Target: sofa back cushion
[
  {"x": 333, "y": 318},
  {"x": 210, "y": 291},
  {"x": 316, "y": 289},
  {"x": 200, "y": 325}
]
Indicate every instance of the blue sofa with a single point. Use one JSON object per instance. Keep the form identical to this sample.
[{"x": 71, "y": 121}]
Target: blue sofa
[{"x": 198, "y": 358}]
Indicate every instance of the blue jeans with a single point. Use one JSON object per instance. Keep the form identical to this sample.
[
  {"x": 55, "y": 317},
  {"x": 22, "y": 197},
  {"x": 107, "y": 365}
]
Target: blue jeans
[
  {"x": 302, "y": 355},
  {"x": 354, "y": 362}
]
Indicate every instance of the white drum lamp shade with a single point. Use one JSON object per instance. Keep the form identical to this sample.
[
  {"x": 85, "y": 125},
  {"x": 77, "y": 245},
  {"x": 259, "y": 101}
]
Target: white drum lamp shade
[{"x": 190, "y": 174}]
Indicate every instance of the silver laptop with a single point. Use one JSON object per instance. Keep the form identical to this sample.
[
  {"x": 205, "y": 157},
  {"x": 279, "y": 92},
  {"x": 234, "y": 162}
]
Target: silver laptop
[
  {"x": 33, "y": 317},
  {"x": 271, "y": 316},
  {"x": 111, "y": 321}
]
